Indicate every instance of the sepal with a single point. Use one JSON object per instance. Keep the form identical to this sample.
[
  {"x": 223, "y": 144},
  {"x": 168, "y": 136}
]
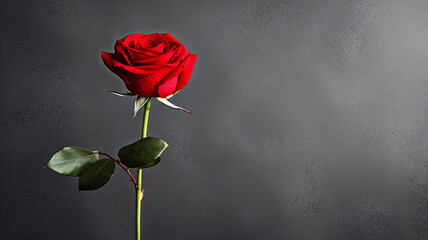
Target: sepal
[
  {"x": 139, "y": 103},
  {"x": 128, "y": 94},
  {"x": 169, "y": 104}
]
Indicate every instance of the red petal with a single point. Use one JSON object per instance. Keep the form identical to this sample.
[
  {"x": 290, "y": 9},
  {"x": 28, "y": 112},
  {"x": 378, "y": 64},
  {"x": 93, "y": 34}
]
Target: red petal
[
  {"x": 158, "y": 48},
  {"x": 147, "y": 84},
  {"x": 153, "y": 42},
  {"x": 108, "y": 61},
  {"x": 120, "y": 50},
  {"x": 131, "y": 69},
  {"x": 167, "y": 87},
  {"x": 135, "y": 54},
  {"x": 161, "y": 60},
  {"x": 177, "y": 53},
  {"x": 187, "y": 71},
  {"x": 129, "y": 40},
  {"x": 170, "y": 38},
  {"x": 183, "y": 53}
]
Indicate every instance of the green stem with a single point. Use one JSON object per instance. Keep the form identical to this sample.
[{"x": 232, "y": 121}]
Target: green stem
[{"x": 140, "y": 174}]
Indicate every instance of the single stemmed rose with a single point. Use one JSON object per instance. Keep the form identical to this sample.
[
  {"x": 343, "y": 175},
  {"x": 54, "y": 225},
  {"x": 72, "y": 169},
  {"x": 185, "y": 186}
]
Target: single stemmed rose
[{"x": 154, "y": 65}]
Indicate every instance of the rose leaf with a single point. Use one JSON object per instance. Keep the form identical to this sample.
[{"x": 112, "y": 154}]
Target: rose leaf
[
  {"x": 71, "y": 161},
  {"x": 96, "y": 174},
  {"x": 142, "y": 153}
]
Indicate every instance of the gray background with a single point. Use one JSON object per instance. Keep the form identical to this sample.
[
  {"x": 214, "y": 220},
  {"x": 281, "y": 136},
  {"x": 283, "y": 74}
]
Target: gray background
[{"x": 311, "y": 120}]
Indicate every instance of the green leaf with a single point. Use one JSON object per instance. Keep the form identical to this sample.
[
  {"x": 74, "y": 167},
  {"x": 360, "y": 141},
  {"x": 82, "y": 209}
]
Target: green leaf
[
  {"x": 96, "y": 174},
  {"x": 71, "y": 161},
  {"x": 152, "y": 163},
  {"x": 142, "y": 153}
]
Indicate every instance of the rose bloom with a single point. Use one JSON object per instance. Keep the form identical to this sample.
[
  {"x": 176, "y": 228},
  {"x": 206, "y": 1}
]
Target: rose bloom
[{"x": 154, "y": 65}]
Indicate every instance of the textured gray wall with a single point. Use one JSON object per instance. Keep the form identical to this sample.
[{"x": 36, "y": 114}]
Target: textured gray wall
[{"x": 311, "y": 120}]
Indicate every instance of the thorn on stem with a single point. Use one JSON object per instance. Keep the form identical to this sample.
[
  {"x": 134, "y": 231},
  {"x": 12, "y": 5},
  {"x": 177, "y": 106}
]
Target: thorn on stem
[{"x": 142, "y": 193}]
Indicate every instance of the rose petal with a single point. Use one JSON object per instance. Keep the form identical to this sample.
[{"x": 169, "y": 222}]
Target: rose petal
[
  {"x": 184, "y": 77},
  {"x": 120, "y": 50},
  {"x": 183, "y": 53},
  {"x": 167, "y": 87},
  {"x": 131, "y": 69},
  {"x": 176, "y": 54},
  {"x": 158, "y": 48},
  {"x": 108, "y": 61},
  {"x": 135, "y": 54},
  {"x": 161, "y": 60},
  {"x": 132, "y": 44},
  {"x": 178, "y": 59},
  {"x": 170, "y": 38},
  {"x": 152, "y": 40},
  {"x": 129, "y": 40},
  {"x": 147, "y": 84},
  {"x": 169, "y": 84}
]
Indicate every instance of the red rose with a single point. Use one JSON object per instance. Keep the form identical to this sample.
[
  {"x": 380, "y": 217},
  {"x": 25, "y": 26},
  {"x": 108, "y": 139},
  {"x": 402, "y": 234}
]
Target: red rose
[{"x": 154, "y": 65}]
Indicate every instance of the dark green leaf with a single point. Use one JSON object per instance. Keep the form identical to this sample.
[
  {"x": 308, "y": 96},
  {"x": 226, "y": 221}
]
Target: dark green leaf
[
  {"x": 142, "y": 153},
  {"x": 71, "y": 161},
  {"x": 96, "y": 174},
  {"x": 152, "y": 163}
]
